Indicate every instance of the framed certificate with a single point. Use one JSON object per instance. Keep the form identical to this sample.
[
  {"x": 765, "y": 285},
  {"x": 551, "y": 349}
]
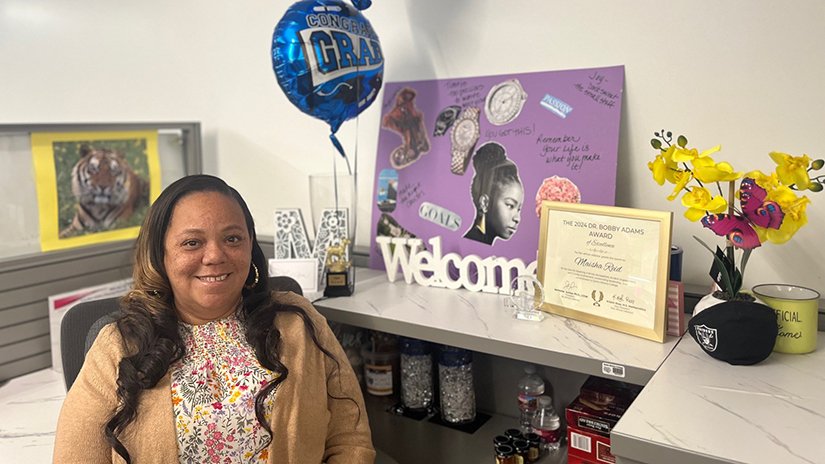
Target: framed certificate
[{"x": 606, "y": 265}]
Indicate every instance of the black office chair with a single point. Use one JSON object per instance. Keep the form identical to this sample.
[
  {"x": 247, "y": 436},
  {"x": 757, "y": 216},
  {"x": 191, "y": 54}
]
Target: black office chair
[{"x": 82, "y": 323}]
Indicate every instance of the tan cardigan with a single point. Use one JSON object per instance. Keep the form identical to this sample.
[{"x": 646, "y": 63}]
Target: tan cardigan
[{"x": 308, "y": 425}]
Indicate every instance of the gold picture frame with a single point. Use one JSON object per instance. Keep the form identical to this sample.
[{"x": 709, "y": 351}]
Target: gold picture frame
[{"x": 606, "y": 265}]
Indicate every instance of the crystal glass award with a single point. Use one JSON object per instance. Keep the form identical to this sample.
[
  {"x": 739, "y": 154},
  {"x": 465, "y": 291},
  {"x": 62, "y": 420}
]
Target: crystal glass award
[{"x": 526, "y": 297}]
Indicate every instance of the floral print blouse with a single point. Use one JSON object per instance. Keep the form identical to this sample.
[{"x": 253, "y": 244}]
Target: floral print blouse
[{"x": 213, "y": 395}]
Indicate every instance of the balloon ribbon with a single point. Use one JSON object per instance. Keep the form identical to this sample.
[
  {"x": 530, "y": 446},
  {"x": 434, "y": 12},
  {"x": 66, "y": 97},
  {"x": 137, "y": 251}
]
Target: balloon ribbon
[{"x": 340, "y": 149}]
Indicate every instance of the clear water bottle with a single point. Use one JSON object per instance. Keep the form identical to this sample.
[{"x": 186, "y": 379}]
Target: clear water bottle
[
  {"x": 547, "y": 425},
  {"x": 530, "y": 387}
]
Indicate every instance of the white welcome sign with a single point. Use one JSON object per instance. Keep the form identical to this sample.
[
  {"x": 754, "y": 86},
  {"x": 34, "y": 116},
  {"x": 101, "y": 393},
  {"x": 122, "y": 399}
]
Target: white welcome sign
[{"x": 431, "y": 269}]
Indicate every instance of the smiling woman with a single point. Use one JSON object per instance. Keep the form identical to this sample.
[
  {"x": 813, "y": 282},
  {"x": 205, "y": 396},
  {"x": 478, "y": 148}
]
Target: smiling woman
[
  {"x": 189, "y": 372},
  {"x": 208, "y": 256}
]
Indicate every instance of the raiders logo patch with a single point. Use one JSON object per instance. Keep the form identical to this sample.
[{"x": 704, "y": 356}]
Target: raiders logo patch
[{"x": 706, "y": 337}]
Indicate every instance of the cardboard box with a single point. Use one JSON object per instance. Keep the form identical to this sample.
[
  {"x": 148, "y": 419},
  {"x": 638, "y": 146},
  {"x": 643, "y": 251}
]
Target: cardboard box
[
  {"x": 595, "y": 418},
  {"x": 588, "y": 447},
  {"x": 575, "y": 460}
]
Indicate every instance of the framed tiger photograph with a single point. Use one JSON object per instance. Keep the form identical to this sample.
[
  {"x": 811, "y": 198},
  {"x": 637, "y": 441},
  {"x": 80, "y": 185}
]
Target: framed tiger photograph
[{"x": 94, "y": 187}]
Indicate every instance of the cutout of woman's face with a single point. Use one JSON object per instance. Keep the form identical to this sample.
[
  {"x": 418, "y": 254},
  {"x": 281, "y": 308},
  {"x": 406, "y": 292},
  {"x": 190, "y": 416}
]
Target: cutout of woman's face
[
  {"x": 208, "y": 256},
  {"x": 505, "y": 210}
]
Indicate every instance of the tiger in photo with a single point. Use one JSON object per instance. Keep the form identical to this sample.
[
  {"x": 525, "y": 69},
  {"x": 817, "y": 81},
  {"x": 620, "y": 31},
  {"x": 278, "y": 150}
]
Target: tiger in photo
[{"x": 106, "y": 190}]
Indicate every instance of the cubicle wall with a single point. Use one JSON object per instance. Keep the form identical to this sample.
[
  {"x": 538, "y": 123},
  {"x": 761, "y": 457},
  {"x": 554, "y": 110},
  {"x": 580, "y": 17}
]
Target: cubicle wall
[{"x": 25, "y": 286}]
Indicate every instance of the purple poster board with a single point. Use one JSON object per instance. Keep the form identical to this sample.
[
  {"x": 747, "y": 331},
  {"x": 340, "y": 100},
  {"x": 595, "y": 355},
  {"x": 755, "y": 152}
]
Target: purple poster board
[{"x": 465, "y": 159}]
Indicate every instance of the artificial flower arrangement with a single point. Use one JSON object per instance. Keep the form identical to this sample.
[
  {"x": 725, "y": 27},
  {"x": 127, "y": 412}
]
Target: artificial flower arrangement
[{"x": 769, "y": 207}]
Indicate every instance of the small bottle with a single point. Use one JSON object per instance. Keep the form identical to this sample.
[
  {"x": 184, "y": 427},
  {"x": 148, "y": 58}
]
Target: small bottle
[
  {"x": 522, "y": 451},
  {"x": 501, "y": 440},
  {"x": 530, "y": 387},
  {"x": 547, "y": 425},
  {"x": 505, "y": 454},
  {"x": 514, "y": 434},
  {"x": 534, "y": 452}
]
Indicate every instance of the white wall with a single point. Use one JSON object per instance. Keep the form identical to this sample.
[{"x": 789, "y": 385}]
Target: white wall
[{"x": 746, "y": 74}]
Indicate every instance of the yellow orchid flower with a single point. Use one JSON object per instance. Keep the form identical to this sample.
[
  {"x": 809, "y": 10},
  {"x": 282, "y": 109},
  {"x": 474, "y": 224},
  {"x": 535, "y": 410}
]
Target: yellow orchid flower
[
  {"x": 683, "y": 155},
  {"x": 792, "y": 169},
  {"x": 699, "y": 200},
  {"x": 664, "y": 168},
  {"x": 710, "y": 151},
  {"x": 668, "y": 154},
  {"x": 682, "y": 178},
  {"x": 659, "y": 169},
  {"x": 766, "y": 182},
  {"x": 795, "y": 216},
  {"x": 706, "y": 170}
]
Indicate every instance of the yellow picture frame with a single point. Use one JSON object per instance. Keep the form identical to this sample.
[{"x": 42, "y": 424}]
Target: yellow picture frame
[
  {"x": 605, "y": 265},
  {"x": 51, "y": 171}
]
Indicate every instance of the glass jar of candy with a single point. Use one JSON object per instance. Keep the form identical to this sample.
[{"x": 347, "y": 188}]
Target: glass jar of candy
[
  {"x": 381, "y": 369},
  {"x": 416, "y": 374},
  {"x": 455, "y": 375}
]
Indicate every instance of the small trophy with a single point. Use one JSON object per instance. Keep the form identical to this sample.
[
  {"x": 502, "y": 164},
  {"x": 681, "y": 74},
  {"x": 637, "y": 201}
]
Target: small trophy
[
  {"x": 527, "y": 296},
  {"x": 340, "y": 277}
]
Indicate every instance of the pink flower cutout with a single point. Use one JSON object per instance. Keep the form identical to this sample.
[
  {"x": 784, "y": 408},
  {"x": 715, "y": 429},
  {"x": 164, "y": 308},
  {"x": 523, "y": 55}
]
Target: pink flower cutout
[
  {"x": 217, "y": 405},
  {"x": 557, "y": 189}
]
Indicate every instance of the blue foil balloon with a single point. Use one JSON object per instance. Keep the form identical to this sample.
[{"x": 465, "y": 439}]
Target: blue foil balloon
[
  {"x": 362, "y": 4},
  {"x": 328, "y": 60}
]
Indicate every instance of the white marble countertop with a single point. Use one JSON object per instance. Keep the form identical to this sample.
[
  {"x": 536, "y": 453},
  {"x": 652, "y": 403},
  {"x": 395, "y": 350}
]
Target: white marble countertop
[
  {"x": 29, "y": 406},
  {"x": 700, "y": 410},
  {"x": 480, "y": 322}
]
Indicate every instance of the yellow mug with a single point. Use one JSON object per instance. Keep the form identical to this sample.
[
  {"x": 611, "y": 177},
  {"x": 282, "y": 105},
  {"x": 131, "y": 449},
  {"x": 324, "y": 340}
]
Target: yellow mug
[{"x": 797, "y": 313}]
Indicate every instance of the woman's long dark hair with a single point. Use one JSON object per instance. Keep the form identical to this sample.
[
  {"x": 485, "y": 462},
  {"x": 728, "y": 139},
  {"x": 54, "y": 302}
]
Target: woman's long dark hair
[{"x": 149, "y": 323}]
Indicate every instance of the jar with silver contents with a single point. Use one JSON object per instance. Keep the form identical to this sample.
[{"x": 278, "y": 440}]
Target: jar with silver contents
[
  {"x": 416, "y": 374},
  {"x": 455, "y": 376}
]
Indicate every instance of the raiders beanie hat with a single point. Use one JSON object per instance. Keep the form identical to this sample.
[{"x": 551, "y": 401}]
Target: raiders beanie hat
[{"x": 737, "y": 332}]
